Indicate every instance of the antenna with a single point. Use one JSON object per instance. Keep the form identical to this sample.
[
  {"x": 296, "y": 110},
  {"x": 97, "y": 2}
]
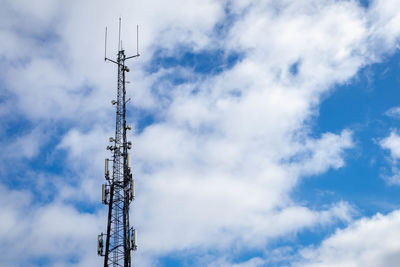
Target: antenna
[
  {"x": 137, "y": 39},
  {"x": 119, "y": 189},
  {"x": 119, "y": 35},
  {"x": 105, "y": 46}
]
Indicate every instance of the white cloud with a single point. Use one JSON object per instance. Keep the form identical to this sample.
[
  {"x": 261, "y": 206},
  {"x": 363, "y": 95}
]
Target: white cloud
[
  {"x": 392, "y": 143},
  {"x": 393, "y": 112},
  {"x": 250, "y": 263},
  {"x": 26, "y": 146},
  {"x": 86, "y": 154},
  {"x": 53, "y": 232},
  {"x": 316, "y": 156},
  {"x": 369, "y": 242},
  {"x": 386, "y": 22}
]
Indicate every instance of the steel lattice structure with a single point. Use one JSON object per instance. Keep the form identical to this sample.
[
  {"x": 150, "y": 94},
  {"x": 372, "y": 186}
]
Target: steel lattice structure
[{"x": 119, "y": 190}]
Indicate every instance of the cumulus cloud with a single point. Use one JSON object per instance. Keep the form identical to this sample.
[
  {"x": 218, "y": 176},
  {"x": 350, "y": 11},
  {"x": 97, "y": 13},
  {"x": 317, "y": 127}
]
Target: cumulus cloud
[
  {"x": 369, "y": 242},
  {"x": 53, "y": 233},
  {"x": 392, "y": 143}
]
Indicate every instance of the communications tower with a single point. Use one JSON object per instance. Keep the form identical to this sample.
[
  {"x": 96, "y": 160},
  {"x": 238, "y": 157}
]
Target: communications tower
[{"x": 119, "y": 189}]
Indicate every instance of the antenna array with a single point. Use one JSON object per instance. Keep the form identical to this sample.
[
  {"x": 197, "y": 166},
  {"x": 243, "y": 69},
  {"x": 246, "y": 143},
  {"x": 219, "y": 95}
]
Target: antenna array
[{"x": 119, "y": 190}]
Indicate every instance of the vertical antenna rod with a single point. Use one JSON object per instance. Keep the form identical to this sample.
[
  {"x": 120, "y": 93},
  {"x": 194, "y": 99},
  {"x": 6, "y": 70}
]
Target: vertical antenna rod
[
  {"x": 105, "y": 46},
  {"x": 119, "y": 190},
  {"x": 119, "y": 35}
]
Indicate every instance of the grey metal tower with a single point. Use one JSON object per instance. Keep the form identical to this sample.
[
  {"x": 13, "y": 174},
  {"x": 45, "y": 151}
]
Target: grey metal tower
[{"x": 119, "y": 190}]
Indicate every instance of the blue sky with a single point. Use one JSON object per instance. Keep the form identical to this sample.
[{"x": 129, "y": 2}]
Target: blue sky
[
  {"x": 362, "y": 105},
  {"x": 266, "y": 133}
]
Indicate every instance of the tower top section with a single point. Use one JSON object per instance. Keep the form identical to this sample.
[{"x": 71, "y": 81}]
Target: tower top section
[{"x": 120, "y": 49}]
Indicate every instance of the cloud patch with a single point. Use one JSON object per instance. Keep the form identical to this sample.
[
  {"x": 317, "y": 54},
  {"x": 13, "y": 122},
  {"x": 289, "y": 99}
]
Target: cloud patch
[{"x": 369, "y": 242}]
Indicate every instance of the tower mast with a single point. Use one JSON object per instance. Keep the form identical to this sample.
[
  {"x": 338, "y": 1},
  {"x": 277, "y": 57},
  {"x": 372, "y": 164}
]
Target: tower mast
[{"x": 119, "y": 190}]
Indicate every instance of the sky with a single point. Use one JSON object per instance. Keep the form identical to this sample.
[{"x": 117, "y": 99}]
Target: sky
[{"x": 265, "y": 132}]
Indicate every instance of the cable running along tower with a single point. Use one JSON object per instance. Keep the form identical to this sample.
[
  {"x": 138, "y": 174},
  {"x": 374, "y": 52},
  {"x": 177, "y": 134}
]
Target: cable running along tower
[{"x": 119, "y": 190}]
